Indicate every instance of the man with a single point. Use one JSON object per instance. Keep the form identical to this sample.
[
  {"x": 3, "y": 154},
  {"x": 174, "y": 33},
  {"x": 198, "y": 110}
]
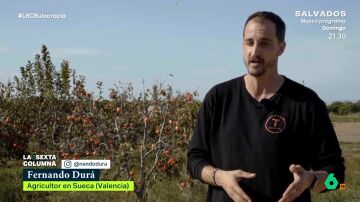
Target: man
[{"x": 262, "y": 136}]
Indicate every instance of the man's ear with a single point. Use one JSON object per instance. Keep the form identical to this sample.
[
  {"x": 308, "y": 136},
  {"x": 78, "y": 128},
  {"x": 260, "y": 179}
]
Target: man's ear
[{"x": 282, "y": 46}]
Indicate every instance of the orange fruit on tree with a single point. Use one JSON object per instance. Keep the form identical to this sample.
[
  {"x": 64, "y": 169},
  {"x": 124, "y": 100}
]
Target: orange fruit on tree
[
  {"x": 146, "y": 120},
  {"x": 118, "y": 110},
  {"x": 76, "y": 156}
]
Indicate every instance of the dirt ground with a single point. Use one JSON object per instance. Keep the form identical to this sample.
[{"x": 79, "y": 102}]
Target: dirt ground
[{"x": 348, "y": 132}]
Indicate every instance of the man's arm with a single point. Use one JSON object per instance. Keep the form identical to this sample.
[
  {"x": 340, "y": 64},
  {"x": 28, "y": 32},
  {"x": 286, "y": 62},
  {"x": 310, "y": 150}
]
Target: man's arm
[
  {"x": 200, "y": 159},
  {"x": 200, "y": 164},
  {"x": 324, "y": 145},
  {"x": 321, "y": 177},
  {"x": 325, "y": 156},
  {"x": 304, "y": 179},
  {"x": 199, "y": 154}
]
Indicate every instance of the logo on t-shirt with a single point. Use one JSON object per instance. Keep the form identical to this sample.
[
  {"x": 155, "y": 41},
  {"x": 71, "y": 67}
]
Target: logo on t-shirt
[{"x": 275, "y": 124}]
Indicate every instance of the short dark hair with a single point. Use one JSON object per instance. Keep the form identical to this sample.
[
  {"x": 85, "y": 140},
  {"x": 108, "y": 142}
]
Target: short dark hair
[{"x": 278, "y": 22}]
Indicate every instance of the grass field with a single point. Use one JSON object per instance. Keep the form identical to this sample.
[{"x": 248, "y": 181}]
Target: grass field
[{"x": 355, "y": 117}]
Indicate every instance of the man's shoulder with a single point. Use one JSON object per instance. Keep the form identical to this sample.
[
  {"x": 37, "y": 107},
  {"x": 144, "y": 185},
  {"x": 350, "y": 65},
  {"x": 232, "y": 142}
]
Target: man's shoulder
[
  {"x": 300, "y": 92},
  {"x": 225, "y": 88}
]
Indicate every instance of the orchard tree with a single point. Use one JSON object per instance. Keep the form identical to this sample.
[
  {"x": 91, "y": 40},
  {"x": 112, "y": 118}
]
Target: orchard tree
[{"x": 145, "y": 135}]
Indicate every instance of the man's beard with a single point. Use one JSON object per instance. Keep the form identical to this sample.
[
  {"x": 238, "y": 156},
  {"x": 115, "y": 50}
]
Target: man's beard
[{"x": 261, "y": 69}]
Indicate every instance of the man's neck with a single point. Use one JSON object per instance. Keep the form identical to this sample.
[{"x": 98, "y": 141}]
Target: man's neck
[{"x": 263, "y": 87}]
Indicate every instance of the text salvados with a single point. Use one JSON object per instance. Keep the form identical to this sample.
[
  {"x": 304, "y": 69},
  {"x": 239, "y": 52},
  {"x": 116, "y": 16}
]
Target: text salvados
[{"x": 334, "y": 13}]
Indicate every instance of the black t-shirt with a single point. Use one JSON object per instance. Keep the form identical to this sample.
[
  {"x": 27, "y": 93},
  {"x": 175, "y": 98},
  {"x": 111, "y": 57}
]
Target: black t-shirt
[{"x": 235, "y": 131}]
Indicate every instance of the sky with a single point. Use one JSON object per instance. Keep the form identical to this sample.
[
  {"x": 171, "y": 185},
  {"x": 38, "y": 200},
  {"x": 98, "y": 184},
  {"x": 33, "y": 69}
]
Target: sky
[{"x": 198, "y": 42}]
